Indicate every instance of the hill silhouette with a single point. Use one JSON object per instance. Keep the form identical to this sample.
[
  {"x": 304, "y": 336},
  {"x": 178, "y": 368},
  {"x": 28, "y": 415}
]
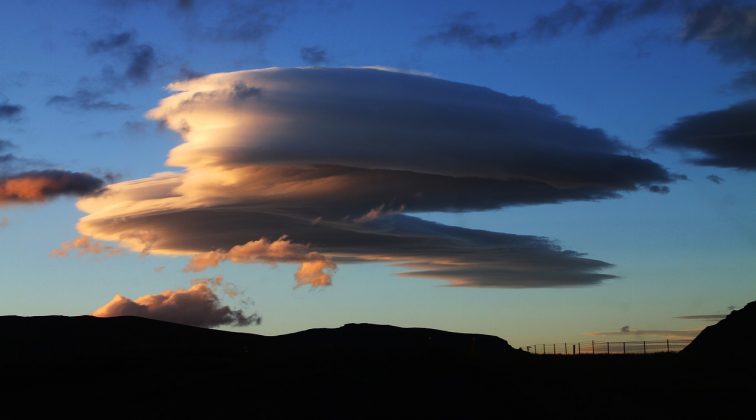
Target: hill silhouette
[
  {"x": 729, "y": 340},
  {"x": 355, "y": 371}
]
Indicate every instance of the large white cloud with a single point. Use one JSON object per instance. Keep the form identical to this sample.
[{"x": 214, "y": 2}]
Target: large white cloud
[{"x": 332, "y": 158}]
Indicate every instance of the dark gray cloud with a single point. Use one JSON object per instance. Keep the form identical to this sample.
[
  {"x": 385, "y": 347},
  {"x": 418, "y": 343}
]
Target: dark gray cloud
[
  {"x": 111, "y": 42},
  {"x": 333, "y": 157},
  {"x": 9, "y": 111},
  {"x": 606, "y": 16},
  {"x": 140, "y": 58},
  {"x": 649, "y": 7},
  {"x": 595, "y": 17},
  {"x": 182, "y": 5},
  {"x": 88, "y": 100},
  {"x": 712, "y": 317},
  {"x": 659, "y": 189},
  {"x": 466, "y": 30},
  {"x": 715, "y": 179},
  {"x": 141, "y": 64},
  {"x": 745, "y": 81},
  {"x": 250, "y": 21},
  {"x": 313, "y": 55},
  {"x": 187, "y": 73},
  {"x": 6, "y": 145},
  {"x": 598, "y": 16},
  {"x": 11, "y": 164},
  {"x": 627, "y": 331},
  {"x": 727, "y": 27},
  {"x": 558, "y": 21},
  {"x": 725, "y": 138}
]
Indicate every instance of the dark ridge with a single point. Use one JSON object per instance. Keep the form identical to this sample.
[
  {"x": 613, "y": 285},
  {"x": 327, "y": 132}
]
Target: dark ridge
[
  {"x": 732, "y": 339},
  {"x": 128, "y": 364},
  {"x": 92, "y": 338}
]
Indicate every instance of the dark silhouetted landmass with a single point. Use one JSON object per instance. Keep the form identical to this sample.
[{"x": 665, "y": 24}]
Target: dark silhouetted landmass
[
  {"x": 733, "y": 338},
  {"x": 140, "y": 367}
]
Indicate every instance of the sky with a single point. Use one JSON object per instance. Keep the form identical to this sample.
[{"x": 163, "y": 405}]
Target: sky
[{"x": 541, "y": 171}]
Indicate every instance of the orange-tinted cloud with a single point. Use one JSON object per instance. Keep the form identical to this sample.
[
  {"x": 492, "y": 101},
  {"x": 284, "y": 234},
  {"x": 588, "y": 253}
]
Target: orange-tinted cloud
[
  {"x": 314, "y": 270},
  {"x": 36, "y": 186},
  {"x": 198, "y": 306},
  {"x": 218, "y": 282},
  {"x": 85, "y": 245}
]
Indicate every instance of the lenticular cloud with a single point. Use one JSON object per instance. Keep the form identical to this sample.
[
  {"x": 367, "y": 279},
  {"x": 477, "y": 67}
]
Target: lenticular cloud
[{"x": 335, "y": 161}]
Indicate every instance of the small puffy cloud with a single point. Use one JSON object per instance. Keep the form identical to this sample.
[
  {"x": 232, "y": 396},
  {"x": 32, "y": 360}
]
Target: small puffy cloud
[
  {"x": 313, "y": 55},
  {"x": 37, "y": 186},
  {"x": 715, "y": 179},
  {"x": 9, "y": 111},
  {"x": 314, "y": 268},
  {"x": 333, "y": 161},
  {"x": 724, "y": 138},
  {"x": 659, "y": 189},
  {"x": 197, "y": 306},
  {"x": 249, "y": 21},
  {"x": 466, "y": 30},
  {"x": 87, "y": 100},
  {"x": 85, "y": 245},
  {"x": 316, "y": 271},
  {"x": 111, "y": 42},
  {"x": 555, "y": 23},
  {"x": 140, "y": 58}
]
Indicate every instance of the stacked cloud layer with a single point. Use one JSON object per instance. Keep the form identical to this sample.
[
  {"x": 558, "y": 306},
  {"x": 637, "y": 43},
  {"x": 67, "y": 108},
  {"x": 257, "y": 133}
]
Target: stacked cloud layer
[{"x": 323, "y": 165}]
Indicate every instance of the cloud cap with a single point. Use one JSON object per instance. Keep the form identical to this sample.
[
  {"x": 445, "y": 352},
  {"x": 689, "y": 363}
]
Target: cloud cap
[{"x": 331, "y": 157}]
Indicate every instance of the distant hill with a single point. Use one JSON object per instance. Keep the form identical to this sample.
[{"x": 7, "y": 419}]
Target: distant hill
[
  {"x": 153, "y": 368},
  {"x": 31, "y": 339},
  {"x": 733, "y": 338}
]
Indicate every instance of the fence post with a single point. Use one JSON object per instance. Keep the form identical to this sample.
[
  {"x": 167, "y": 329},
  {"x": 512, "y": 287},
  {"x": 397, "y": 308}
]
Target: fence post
[
  {"x": 544, "y": 349},
  {"x": 554, "y": 351},
  {"x": 607, "y": 347},
  {"x": 623, "y": 348},
  {"x": 668, "y": 345},
  {"x": 573, "y": 349},
  {"x": 565, "y": 348},
  {"x": 644, "y": 347},
  {"x": 593, "y": 346},
  {"x": 579, "y": 352}
]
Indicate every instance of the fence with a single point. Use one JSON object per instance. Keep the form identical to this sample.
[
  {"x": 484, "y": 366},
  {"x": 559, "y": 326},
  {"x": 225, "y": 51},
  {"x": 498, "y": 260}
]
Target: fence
[{"x": 609, "y": 347}]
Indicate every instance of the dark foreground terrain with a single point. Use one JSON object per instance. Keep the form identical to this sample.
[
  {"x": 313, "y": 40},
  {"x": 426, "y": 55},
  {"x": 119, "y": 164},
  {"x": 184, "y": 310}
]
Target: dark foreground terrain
[{"x": 145, "y": 368}]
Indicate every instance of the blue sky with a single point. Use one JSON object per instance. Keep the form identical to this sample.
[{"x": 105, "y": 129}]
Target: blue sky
[{"x": 683, "y": 253}]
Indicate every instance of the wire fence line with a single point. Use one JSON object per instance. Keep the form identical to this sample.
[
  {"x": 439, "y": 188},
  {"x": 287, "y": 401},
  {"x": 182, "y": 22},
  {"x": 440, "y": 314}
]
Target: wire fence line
[{"x": 609, "y": 347}]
